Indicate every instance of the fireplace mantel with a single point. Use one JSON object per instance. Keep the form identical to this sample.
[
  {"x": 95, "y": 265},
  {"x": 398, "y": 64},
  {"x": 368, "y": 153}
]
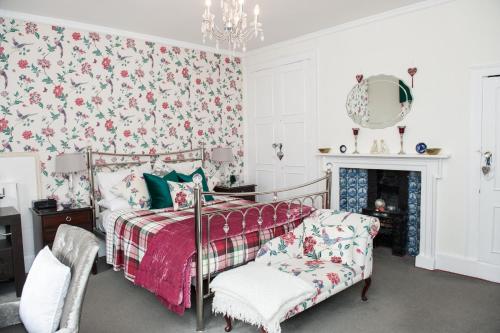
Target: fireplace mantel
[{"x": 431, "y": 169}]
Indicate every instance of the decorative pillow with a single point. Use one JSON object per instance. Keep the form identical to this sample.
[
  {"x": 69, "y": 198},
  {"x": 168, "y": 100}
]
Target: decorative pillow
[
  {"x": 106, "y": 181},
  {"x": 43, "y": 294},
  {"x": 334, "y": 243},
  {"x": 162, "y": 167},
  {"x": 158, "y": 189},
  {"x": 189, "y": 178},
  {"x": 182, "y": 194},
  {"x": 115, "y": 204},
  {"x": 133, "y": 188}
]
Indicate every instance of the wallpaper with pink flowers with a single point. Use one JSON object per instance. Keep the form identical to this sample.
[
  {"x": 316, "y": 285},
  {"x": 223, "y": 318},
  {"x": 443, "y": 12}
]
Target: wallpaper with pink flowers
[{"x": 62, "y": 90}]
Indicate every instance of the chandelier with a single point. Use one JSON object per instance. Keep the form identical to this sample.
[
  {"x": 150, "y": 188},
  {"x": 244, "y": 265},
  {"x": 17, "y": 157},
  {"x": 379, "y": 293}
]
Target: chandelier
[{"x": 236, "y": 30}]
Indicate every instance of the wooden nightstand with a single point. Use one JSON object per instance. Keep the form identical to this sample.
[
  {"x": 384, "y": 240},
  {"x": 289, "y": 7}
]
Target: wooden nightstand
[
  {"x": 46, "y": 222},
  {"x": 237, "y": 189}
]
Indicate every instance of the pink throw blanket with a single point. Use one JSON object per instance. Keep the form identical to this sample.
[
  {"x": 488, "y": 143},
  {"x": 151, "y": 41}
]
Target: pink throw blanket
[{"x": 165, "y": 269}]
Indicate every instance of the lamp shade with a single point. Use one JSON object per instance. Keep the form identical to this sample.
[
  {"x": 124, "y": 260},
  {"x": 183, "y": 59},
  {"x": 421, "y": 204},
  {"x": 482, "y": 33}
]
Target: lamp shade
[
  {"x": 222, "y": 155},
  {"x": 69, "y": 163}
]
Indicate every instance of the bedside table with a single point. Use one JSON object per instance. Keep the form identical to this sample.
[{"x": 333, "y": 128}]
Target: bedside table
[
  {"x": 237, "y": 189},
  {"x": 46, "y": 222}
]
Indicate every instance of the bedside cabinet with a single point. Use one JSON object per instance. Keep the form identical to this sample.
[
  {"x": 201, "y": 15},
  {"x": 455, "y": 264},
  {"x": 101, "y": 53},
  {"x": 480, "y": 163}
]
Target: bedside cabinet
[
  {"x": 46, "y": 222},
  {"x": 237, "y": 189}
]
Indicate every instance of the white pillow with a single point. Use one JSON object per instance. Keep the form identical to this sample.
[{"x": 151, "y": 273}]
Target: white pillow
[
  {"x": 133, "y": 188},
  {"x": 44, "y": 292},
  {"x": 115, "y": 204},
  {"x": 106, "y": 181}
]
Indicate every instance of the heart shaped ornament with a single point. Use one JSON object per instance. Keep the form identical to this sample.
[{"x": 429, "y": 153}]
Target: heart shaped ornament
[
  {"x": 359, "y": 78},
  {"x": 412, "y": 71}
]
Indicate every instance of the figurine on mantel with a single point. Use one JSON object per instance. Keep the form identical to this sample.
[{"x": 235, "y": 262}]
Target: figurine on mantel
[
  {"x": 384, "y": 148},
  {"x": 374, "y": 148},
  {"x": 379, "y": 148}
]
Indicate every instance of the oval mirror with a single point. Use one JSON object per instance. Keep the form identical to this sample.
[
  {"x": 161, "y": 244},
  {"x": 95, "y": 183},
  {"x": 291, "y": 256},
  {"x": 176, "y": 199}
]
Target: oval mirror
[{"x": 379, "y": 101}]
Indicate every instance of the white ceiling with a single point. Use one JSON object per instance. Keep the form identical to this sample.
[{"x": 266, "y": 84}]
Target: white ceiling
[{"x": 180, "y": 20}]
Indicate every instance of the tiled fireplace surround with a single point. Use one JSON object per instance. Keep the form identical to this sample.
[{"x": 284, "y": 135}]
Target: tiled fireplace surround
[
  {"x": 430, "y": 170},
  {"x": 354, "y": 187}
]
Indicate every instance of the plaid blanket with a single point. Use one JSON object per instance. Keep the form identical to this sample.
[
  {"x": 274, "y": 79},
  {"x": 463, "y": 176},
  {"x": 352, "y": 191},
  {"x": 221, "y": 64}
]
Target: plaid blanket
[{"x": 133, "y": 230}]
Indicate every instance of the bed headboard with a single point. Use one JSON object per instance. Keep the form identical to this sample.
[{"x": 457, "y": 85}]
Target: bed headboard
[{"x": 98, "y": 161}]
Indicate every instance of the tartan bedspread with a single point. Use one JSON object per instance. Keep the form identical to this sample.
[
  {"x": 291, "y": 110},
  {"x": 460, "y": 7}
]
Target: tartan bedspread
[{"x": 133, "y": 230}]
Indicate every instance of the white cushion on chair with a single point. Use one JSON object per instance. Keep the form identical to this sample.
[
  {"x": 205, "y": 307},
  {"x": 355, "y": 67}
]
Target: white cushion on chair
[{"x": 43, "y": 294}]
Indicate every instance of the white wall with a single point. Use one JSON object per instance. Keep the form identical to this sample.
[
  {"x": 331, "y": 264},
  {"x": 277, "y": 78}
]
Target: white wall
[{"x": 443, "y": 42}]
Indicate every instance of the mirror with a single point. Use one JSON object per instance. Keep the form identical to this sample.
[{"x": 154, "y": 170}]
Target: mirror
[{"x": 379, "y": 101}]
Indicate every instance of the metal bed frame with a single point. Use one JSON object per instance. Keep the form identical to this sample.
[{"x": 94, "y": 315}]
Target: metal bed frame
[
  {"x": 123, "y": 160},
  {"x": 204, "y": 218}
]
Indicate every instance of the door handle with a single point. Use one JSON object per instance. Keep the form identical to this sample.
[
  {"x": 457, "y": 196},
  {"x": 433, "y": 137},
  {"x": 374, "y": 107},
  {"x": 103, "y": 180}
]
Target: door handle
[
  {"x": 278, "y": 146},
  {"x": 488, "y": 158}
]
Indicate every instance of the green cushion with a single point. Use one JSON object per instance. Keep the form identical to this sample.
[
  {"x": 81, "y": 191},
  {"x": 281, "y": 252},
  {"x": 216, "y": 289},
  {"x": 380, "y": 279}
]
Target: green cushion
[
  {"x": 158, "y": 189},
  {"x": 189, "y": 178}
]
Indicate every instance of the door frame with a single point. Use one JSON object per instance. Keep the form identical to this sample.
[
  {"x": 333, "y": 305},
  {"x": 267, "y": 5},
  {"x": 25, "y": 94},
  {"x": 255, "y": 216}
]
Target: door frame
[
  {"x": 477, "y": 74},
  {"x": 266, "y": 63}
]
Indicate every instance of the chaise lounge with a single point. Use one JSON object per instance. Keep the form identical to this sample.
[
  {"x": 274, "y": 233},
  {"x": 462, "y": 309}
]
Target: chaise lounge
[{"x": 330, "y": 251}]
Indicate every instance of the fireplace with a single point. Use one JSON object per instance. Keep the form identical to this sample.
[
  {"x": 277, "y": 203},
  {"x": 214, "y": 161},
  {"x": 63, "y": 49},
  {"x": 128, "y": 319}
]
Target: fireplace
[
  {"x": 426, "y": 171},
  {"x": 400, "y": 220}
]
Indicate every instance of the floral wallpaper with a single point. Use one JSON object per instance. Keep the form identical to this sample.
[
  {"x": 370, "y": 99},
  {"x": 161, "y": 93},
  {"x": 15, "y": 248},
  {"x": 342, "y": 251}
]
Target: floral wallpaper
[{"x": 62, "y": 90}]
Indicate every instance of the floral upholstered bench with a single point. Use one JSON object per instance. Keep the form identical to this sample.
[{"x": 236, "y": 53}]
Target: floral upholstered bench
[{"x": 329, "y": 252}]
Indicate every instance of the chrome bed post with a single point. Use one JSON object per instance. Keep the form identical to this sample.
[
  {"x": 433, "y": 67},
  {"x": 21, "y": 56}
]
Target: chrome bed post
[
  {"x": 200, "y": 325},
  {"x": 327, "y": 202},
  {"x": 90, "y": 171}
]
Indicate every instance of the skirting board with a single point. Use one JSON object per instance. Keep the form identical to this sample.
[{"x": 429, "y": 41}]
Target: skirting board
[{"x": 467, "y": 266}]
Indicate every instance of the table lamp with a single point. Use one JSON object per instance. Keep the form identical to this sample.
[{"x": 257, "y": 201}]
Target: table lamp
[
  {"x": 70, "y": 164},
  {"x": 222, "y": 155}
]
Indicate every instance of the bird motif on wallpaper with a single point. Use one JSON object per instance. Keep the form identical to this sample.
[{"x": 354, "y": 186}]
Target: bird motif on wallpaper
[
  {"x": 120, "y": 57},
  {"x": 63, "y": 112},
  {"x": 197, "y": 68},
  {"x": 218, "y": 68},
  {"x": 152, "y": 114},
  {"x": 60, "y": 46},
  {"x": 3, "y": 73},
  {"x": 125, "y": 118},
  {"x": 76, "y": 84},
  {"x": 110, "y": 83},
  {"x": 150, "y": 56},
  {"x": 24, "y": 117},
  {"x": 7, "y": 146},
  {"x": 19, "y": 46},
  {"x": 164, "y": 91}
]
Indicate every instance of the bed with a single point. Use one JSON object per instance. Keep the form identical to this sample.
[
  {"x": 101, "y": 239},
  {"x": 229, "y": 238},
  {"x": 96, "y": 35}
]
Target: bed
[{"x": 196, "y": 243}]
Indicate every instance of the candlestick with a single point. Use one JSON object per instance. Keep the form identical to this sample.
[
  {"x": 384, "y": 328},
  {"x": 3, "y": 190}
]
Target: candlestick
[
  {"x": 401, "y": 130},
  {"x": 355, "y": 132}
]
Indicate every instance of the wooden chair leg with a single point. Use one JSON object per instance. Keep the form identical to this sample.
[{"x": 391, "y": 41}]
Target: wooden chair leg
[
  {"x": 368, "y": 282},
  {"x": 229, "y": 324}
]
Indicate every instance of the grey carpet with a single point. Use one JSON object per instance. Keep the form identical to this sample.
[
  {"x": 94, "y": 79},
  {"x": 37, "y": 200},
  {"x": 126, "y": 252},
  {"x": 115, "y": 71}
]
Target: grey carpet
[{"x": 402, "y": 299}]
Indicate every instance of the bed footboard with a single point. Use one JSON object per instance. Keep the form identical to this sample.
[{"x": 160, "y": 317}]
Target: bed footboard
[{"x": 203, "y": 220}]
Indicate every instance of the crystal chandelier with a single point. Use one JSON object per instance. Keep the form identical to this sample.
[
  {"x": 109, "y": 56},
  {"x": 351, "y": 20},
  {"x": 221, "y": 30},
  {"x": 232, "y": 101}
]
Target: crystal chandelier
[{"x": 235, "y": 30}]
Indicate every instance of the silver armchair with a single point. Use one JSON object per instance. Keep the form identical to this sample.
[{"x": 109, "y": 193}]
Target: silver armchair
[{"x": 76, "y": 248}]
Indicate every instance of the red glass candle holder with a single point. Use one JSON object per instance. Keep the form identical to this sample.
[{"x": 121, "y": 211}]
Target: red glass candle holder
[
  {"x": 355, "y": 131},
  {"x": 401, "y": 130}
]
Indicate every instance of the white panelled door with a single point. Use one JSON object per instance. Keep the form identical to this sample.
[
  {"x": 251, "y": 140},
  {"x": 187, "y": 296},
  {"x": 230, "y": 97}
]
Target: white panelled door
[
  {"x": 281, "y": 111},
  {"x": 489, "y": 229}
]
